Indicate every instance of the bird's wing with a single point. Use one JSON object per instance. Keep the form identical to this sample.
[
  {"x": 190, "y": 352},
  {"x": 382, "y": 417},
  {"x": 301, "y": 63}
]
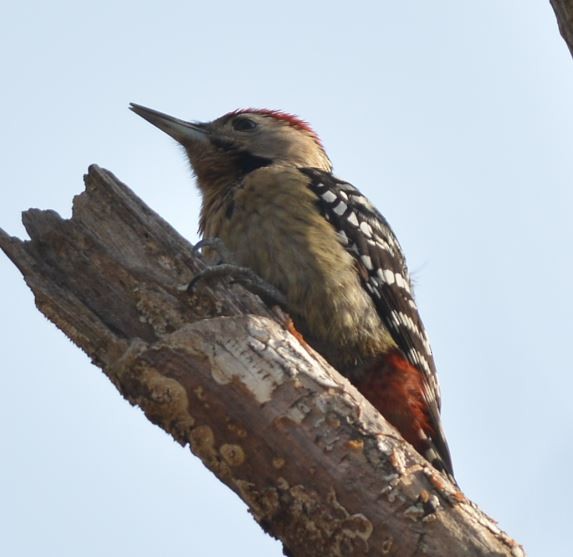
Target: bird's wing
[{"x": 366, "y": 234}]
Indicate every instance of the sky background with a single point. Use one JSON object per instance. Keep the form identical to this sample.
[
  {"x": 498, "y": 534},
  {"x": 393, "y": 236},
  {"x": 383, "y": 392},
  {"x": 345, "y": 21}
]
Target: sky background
[{"x": 454, "y": 118}]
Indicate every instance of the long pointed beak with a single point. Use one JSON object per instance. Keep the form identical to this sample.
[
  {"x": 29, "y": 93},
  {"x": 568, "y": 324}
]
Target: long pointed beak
[{"x": 183, "y": 132}]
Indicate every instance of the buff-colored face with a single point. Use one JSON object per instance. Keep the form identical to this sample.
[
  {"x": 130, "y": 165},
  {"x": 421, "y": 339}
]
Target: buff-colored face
[
  {"x": 232, "y": 145},
  {"x": 270, "y": 137}
]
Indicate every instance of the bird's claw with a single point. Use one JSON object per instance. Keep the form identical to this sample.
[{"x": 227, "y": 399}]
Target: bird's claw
[
  {"x": 217, "y": 246},
  {"x": 224, "y": 268}
]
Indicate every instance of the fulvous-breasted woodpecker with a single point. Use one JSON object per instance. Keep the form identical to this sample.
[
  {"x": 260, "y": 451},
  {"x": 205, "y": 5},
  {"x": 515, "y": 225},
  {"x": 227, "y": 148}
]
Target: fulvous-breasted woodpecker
[{"x": 269, "y": 195}]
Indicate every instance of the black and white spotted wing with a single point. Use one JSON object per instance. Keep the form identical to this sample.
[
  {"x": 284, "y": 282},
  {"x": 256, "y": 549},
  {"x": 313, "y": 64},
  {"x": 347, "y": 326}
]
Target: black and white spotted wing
[{"x": 368, "y": 237}]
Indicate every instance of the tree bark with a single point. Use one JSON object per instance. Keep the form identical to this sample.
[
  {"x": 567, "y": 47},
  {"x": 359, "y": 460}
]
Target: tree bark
[
  {"x": 564, "y": 11},
  {"x": 318, "y": 466}
]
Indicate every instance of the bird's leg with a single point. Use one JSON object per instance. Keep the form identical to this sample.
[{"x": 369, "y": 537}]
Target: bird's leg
[{"x": 225, "y": 268}]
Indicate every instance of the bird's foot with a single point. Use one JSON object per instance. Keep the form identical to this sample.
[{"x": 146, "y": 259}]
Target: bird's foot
[
  {"x": 225, "y": 268},
  {"x": 215, "y": 245}
]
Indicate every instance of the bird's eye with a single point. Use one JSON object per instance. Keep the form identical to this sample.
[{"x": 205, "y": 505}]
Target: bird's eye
[{"x": 243, "y": 124}]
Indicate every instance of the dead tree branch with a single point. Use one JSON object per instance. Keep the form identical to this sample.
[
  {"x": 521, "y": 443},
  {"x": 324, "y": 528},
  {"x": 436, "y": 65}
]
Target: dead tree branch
[
  {"x": 318, "y": 467},
  {"x": 564, "y": 11}
]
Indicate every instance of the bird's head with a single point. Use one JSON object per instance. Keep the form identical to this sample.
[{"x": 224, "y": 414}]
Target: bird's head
[{"x": 224, "y": 150}]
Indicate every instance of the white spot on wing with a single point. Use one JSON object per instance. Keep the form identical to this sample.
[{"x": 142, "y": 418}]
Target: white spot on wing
[
  {"x": 402, "y": 282},
  {"x": 402, "y": 320},
  {"x": 425, "y": 364},
  {"x": 352, "y": 219},
  {"x": 389, "y": 276},
  {"x": 361, "y": 200},
  {"x": 343, "y": 237},
  {"x": 381, "y": 244},
  {"x": 367, "y": 262},
  {"x": 366, "y": 229},
  {"x": 328, "y": 196},
  {"x": 395, "y": 318},
  {"x": 340, "y": 209},
  {"x": 414, "y": 356}
]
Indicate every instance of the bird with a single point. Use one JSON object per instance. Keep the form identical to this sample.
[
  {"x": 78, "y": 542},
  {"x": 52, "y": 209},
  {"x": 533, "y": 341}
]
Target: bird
[{"x": 269, "y": 196}]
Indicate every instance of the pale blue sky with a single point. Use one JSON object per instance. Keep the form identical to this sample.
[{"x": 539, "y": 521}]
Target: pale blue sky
[{"x": 455, "y": 118}]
